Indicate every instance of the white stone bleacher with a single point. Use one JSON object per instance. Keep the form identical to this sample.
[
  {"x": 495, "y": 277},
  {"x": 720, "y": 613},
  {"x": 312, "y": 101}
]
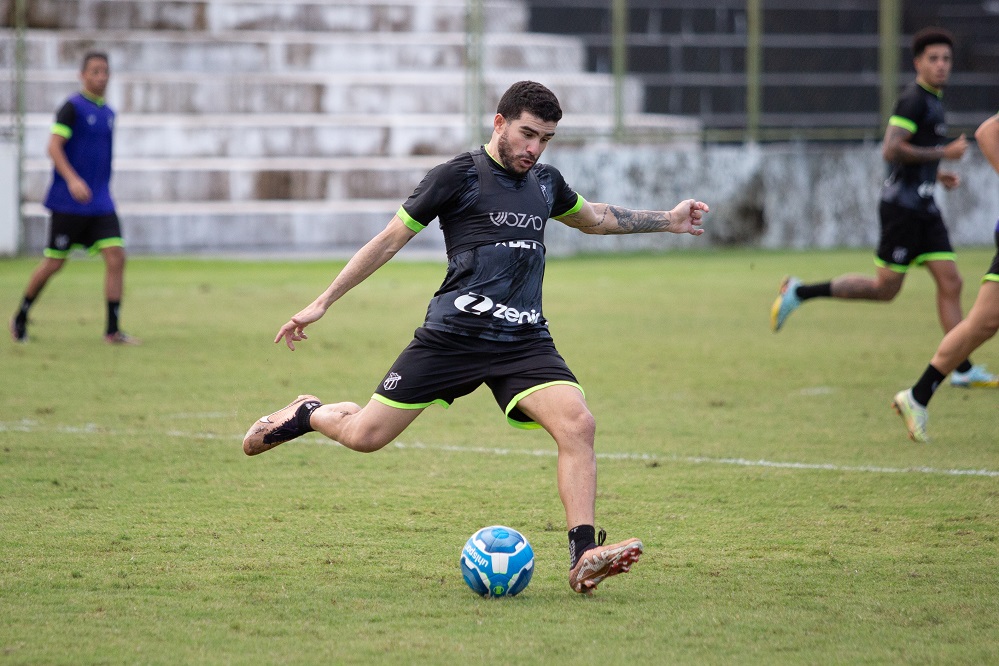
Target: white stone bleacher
[{"x": 231, "y": 138}]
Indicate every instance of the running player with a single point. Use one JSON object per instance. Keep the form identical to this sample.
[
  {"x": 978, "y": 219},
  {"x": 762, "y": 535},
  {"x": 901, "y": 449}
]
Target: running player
[
  {"x": 981, "y": 323},
  {"x": 485, "y": 324},
  {"x": 912, "y": 229}
]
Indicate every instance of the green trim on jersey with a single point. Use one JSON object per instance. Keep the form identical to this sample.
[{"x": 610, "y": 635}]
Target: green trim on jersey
[
  {"x": 49, "y": 253},
  {"x": 575, "y": 209},
  {"x": 115, "y": 241},
  {"x": 898, "y": 268},
  {"x": 990, "y": 277},
  {"x": 934, "y": 256},
  {"x": 408, "y": 220},
  {"x": 99, "y": 101},
  {"x": 917, "y": 261},
  {"x": 403, "y": 405},
  {"x": 485, "y": 148},
  {"x": 531, "y": 425},
  {"x": 904, "y": 123},
  {"x": 930, "y": 89},
  {"x": 62, "y": 130}
]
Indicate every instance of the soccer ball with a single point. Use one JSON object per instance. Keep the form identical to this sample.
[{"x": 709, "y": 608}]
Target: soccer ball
[{"x": 497, "y": 561}]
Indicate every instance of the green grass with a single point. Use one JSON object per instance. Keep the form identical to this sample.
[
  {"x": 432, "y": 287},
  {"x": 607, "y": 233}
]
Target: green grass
[{"x": 135, "y": 530}]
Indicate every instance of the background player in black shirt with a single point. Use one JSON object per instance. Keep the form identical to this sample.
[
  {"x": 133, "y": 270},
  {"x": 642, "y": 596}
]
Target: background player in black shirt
[
  {"x": 912, "y": 229},
  {"x": 485, "y": 323}
]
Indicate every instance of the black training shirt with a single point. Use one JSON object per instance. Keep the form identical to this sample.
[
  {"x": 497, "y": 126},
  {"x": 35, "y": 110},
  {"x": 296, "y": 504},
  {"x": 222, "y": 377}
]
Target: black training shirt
[{"x": 493, "y": 223}]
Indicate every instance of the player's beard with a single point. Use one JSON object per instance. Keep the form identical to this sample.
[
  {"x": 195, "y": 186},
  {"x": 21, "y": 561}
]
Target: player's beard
[{"x": 509, "y": 159}]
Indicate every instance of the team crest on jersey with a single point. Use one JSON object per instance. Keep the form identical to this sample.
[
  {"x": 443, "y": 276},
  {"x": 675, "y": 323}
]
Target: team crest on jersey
[
  {"x": 391, "y": 381},
  {"x": 91, "y": 119}
]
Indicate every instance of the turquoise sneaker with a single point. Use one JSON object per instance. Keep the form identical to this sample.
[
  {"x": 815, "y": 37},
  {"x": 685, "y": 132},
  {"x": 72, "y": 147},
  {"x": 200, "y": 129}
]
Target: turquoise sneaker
[
  {"x": 977, "y": 377},
  {"x": 786, "y": 303},
  {"x": 913, "y": 414}
]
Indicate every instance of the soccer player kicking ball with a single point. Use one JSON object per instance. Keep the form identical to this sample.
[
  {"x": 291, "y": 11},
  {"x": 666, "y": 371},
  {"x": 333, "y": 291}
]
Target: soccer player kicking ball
[
  {"x": 981, "y": 323},
  {"x": 485, "y": 323}
]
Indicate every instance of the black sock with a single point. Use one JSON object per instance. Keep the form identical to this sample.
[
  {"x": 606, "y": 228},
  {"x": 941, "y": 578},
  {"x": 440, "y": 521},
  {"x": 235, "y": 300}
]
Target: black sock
[
  {"x": 304, "y": 414},
  {"x": 22, "y": 313},
  {"x": 807, "y": 291},
  {"x": 113, "y": 307},
  {"x": 581, "y": 539},
  {"x": 927, "y": 384},
  {"x": 964, "y": 367}
]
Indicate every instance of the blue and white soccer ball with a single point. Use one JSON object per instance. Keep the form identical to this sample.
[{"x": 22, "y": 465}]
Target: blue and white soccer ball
[{"x": 497, "y": 561}]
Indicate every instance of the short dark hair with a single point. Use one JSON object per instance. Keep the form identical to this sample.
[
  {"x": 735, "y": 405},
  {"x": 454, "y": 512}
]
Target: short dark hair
[
  {"x": 90, "y": 55},
  {"x": 532, "y": 97},
  {"x": 928, "y": 37}
]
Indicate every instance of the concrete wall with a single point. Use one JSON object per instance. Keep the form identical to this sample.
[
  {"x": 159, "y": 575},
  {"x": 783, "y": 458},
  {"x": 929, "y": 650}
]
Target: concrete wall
[
  {"x": 783, "y": 196},
  {"x": 775, "y": 196}
]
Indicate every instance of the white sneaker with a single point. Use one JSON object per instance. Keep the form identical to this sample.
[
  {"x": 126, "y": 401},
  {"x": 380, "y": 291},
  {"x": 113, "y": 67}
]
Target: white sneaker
[{"x": 913, "y": 414}]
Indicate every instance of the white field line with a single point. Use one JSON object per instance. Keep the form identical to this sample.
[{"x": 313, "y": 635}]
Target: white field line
[
  {"x": 28, "y": 426},
  {"x": 699, "y": 460}
]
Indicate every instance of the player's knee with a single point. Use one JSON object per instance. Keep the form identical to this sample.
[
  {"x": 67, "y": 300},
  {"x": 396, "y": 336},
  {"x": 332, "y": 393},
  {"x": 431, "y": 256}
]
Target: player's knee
[
  {"x": 887, "y": 291},
  {"x": 364, "y": 436},
  {"x": 53, "y": 266},
  {"x": 582, "y": 425},
  {"x": 114, "y": 258},
  {"x": 989, "y": 324},
  {"x": 952, "y": 285}
]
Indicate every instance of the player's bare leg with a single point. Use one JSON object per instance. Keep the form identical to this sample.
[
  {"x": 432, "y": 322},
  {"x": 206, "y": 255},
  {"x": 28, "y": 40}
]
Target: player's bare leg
[
  {"x": 949, "y": 284},
  {"x": 981, "y": 324},
  {"x": 39, "y": 278},
  {"x": 361, "y": 429},
  {"x": 364, "y": 429},
  {"x": 114, "y": 272},
  {"x": 884, "y": 286},
  {"x": 562, "y": 411}
]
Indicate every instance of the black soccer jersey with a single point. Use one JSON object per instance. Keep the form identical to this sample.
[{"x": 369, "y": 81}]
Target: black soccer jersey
[
  {"x": 921, "y": 112},
  {"x": 494, "y": 225}
]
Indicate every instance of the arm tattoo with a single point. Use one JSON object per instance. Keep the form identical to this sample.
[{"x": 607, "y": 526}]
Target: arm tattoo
[{"x": 637, "y": 221}]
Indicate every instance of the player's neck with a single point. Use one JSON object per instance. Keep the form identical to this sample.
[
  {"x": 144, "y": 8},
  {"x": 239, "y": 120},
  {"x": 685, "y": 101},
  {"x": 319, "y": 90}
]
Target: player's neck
[
  {"x": 928, "y": 88},
  {"x": 93, "y": 97}
]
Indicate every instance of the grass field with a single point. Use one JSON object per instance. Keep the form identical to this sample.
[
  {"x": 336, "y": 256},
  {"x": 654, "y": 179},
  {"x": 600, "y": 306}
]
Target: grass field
[{"x": 786, "y": 517}]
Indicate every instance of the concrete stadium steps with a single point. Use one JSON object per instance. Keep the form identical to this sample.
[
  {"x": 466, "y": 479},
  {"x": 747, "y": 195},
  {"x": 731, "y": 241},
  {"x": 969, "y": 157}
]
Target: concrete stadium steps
[
  {"x": 339, "y": 93},
  {"x": 318, "y": 135},
  {"x": 334, "y": 228},
  {"x": 316, "y": 15},
  {"x": 295, "y": 52},
  {"x": 240, "y": 180},
  {"x": 251, "y": 126},
  {"x": 267, "y": 135}
]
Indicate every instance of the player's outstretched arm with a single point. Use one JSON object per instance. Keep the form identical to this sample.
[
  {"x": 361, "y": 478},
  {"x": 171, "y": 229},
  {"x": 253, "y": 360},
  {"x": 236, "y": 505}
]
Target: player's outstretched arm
[
  {"x": 365, "y": 261},
  {"x": 987, "y": 136},
  {"x": 599, "y": 218}
]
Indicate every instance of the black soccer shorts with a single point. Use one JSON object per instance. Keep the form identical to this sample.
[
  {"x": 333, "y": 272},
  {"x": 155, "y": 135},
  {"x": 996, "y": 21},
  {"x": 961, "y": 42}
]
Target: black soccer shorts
[
  {"x": 92, "y": 232},
  {"x": 911, "y": 237},
  {"x": 437, "y": 368}
]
